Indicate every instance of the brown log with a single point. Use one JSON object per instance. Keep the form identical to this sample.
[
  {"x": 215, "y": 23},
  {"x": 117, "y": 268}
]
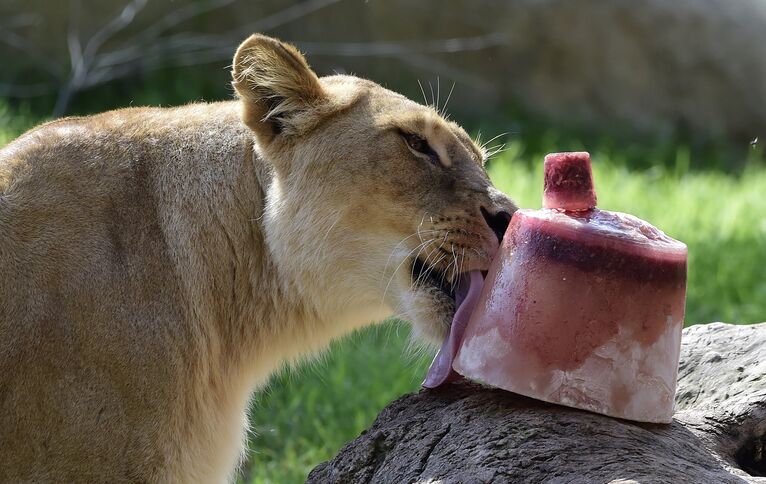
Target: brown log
[{"x": 464, "y": 432}]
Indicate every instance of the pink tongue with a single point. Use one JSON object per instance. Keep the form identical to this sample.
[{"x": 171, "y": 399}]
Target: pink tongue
[{"x": 466, "y": 296}]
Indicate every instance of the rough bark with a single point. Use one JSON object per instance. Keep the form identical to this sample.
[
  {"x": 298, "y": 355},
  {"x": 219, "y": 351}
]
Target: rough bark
[{"x": 467, "y": 433}]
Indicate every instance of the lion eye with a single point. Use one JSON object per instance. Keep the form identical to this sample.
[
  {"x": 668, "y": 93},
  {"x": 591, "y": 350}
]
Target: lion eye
[{"x": 420, "y": 146}]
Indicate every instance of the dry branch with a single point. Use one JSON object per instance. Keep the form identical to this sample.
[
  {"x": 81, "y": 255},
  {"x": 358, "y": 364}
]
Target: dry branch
[{"x": 112, "y": 52}]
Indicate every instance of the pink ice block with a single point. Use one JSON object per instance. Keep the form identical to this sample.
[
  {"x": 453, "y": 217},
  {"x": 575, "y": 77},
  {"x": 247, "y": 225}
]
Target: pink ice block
[{"x": 581, "y": 308}]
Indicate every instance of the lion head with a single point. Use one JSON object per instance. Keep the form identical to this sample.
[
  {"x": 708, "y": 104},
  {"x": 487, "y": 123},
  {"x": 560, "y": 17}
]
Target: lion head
[{"x": 376, "y": 203}]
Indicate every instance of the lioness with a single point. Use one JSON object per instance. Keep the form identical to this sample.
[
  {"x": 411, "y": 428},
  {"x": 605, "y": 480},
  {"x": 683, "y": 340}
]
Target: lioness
[{"x": 156, "y": 265}]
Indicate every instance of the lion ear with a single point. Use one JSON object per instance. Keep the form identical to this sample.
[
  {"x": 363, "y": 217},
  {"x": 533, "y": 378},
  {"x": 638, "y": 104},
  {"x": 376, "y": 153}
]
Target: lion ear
[{"x": 276, "y": 85}]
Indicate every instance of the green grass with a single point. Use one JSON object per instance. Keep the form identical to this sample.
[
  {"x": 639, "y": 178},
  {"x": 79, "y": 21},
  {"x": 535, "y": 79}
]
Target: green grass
[
  {"x": 306, "y": 414},
  {"x": 14, "y": 121}
]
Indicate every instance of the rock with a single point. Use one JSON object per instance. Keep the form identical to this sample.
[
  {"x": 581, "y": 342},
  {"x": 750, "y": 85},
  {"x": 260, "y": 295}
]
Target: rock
[
  {"x": 721, "y": 363},
  {"x": 466, "y": 433}
]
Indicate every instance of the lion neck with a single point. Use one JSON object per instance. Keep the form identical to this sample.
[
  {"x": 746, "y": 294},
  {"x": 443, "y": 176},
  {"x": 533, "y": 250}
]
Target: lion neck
[{"x": 277, "y": 277}]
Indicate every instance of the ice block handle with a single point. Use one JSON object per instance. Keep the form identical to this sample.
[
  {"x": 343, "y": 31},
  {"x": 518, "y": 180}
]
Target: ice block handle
[{"x": 569, "y": 182}]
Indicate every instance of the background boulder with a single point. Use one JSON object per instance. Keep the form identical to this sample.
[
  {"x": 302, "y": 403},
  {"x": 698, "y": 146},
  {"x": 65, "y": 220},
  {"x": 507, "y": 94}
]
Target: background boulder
[{"x": 698, "y": 66}]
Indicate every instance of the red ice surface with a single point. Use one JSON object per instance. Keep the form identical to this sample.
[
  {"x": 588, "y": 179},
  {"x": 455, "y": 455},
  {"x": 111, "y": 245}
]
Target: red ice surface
[
  {"x": 582, "y": 308},
  {"x": 568, "y": 182}
]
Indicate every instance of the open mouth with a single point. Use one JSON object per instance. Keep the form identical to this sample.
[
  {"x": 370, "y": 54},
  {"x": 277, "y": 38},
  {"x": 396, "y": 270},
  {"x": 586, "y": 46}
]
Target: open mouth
[
  {"x": 464, "y": 293},
  {"x": 425, "y": 275}
]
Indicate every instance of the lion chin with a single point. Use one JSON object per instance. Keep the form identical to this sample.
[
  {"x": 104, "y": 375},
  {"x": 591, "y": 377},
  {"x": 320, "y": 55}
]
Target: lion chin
[{"x": 431, "y": 317}]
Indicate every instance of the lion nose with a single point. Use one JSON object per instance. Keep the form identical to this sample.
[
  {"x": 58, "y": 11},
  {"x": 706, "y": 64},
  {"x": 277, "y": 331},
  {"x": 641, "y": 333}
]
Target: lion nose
[{"x": 498, "y": 222}]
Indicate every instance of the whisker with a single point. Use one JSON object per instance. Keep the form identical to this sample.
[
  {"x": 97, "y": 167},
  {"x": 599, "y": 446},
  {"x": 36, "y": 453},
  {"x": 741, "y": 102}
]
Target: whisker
[
  {"x": 444, "y": 241},
  {"x": 388, "y": 261},
  {"x": 495, "y": 150},
  {"x": 418, "y": 248},
  {"x": 444, "y": 109},
  {"x": 423, "y": 92},
  {"x": 496, "y": 147},
  {"x": 455, "y": 271},
  {"x": 431, "y": 267},
  {"x": 422, "y": 219},
  {"x": 431, "y": 87},
  {"x": 412, "y": 274},
  {"x": 484, "y": 145},
  {"x": 451, "y": 263}
]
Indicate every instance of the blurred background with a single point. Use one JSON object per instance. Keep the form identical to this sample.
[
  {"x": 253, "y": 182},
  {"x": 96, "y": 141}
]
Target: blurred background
[{"x": 669, "y": 98}]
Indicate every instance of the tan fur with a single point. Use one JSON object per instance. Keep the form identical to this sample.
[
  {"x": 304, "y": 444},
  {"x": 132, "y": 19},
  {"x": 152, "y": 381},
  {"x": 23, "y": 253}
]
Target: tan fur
[{"x": 156, "y": 265}]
